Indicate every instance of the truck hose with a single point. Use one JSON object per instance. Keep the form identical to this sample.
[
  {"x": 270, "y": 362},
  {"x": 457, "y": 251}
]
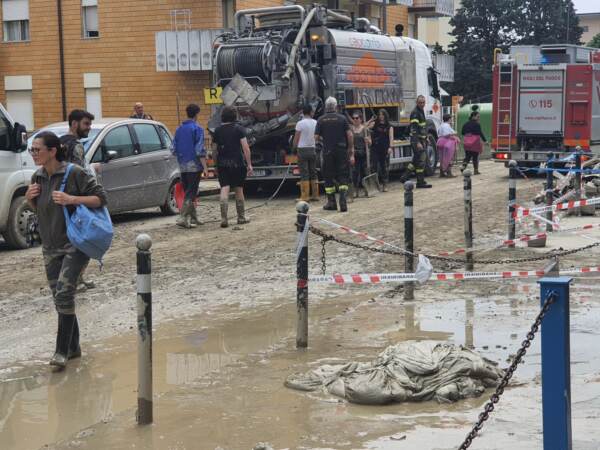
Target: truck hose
[
  {"x": 247, "y": 61},
  {"x": 292, "y": 59}
]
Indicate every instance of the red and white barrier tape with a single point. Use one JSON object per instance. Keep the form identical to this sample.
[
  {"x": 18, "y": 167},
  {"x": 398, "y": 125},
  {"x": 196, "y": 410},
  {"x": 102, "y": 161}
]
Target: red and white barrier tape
[
  {"x": 523, "y": 212},
  {"x": 379, "y": 278},
  {"x": 497, "y": 243},
  {"x": 360, "y": 234}
]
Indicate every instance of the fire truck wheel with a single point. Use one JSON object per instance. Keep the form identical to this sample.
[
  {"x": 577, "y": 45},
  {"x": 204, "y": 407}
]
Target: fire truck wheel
[{"x": 432, "y": 155}]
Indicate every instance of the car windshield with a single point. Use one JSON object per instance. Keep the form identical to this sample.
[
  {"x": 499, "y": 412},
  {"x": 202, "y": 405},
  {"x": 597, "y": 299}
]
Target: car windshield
[{"x": 61, "y": 131}]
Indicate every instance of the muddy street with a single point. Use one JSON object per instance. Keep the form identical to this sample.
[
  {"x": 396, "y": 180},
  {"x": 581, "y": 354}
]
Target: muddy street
[{"x": 224, "y": 316}]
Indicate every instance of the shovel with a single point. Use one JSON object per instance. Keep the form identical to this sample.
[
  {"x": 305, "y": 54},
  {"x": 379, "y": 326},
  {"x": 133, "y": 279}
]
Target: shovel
[{"x": 370, "y": 183}]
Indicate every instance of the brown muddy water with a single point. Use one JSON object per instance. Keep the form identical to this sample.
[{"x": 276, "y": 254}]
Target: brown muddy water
[{"x": 218, "y": 379}]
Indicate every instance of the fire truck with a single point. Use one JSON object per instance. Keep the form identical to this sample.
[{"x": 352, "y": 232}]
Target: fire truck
[{"x": 546, "y": 99}]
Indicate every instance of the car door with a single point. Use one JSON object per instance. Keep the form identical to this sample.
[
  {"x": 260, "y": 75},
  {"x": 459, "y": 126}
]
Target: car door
[
  {"x": 120, "y": 176},
  {"x": 154, "y": 162},
  {"x": 10, "y": 161}
]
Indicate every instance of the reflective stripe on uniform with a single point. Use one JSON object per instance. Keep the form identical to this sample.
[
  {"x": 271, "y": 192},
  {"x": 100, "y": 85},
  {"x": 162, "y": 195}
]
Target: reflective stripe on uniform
[
  {"x": 330, "y": 190},
  {"x": 343, "y": 187}
]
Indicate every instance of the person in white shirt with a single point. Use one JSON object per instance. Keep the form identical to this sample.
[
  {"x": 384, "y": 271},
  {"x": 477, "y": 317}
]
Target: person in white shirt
[
  {"x": 304, "y": 142},
  {"x": 446, "y": 145}
]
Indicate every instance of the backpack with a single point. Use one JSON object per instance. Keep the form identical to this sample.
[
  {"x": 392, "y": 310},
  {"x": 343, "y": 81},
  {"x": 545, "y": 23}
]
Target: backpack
[{"x": 89, "y": 230}]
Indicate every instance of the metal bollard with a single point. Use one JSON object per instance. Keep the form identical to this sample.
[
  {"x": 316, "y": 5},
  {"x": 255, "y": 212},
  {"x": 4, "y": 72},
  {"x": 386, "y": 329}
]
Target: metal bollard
[
  {"x": 512, "y": 200},
  {"x": 409, "y": 263},
  {"x": 302, "y": 276},
  {"x": 556, "y": 366},
  {"x": 549, "y": 188},
  {"x": 468, "y": 220},
  {"x": 144, "y": 320}
]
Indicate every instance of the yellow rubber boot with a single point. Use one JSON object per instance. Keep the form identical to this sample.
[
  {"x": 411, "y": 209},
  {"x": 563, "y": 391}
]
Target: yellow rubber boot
[
  {"x": 314, "y": 188},
  {"x": 304, "y": 191}
]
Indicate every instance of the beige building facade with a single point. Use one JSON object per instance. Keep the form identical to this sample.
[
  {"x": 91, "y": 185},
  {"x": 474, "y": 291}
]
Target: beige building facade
[
  {"x": 107, "y": 57},
  {"x": 590, "y": 22}
]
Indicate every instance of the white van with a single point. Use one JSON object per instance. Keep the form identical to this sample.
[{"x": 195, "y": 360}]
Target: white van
[{"x": 16, "y": 169}]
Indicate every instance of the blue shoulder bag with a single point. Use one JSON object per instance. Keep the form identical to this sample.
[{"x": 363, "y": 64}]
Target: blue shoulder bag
[{"x": 89, "y": 230}]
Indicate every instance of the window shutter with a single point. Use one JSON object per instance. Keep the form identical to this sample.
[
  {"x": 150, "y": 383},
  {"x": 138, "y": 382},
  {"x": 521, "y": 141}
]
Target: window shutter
[{"x": 15, "y": 10}]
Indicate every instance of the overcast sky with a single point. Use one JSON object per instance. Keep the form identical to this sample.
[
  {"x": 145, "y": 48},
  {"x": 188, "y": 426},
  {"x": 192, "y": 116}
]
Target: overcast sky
[{"x": 587, "y": 6}]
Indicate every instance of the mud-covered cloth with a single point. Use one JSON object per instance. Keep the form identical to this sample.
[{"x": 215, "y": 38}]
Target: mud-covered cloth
[
  {"x": 63, "y": 267},
  {"x": 405, "y": 372}
]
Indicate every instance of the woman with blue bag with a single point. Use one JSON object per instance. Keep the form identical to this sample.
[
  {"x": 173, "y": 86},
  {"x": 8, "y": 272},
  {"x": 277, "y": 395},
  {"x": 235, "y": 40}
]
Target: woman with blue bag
[{"x": 55, "y": 188}]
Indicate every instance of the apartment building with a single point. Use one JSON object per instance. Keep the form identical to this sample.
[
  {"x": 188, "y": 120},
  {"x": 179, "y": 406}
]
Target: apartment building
[
  {"x": 102, "y": 55},
  {"x": 590, "y": 22}
]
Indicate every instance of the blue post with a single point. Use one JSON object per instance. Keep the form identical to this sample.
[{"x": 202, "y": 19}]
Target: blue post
[{"x": 556, "y": 366}]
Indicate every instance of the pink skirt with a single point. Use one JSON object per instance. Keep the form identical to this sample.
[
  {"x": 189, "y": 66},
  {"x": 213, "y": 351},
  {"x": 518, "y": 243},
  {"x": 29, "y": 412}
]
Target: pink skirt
[{"x": 446, "y": 149}]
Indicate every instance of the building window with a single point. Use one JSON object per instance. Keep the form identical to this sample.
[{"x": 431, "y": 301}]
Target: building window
[
  {"x": 585, "y": 28},
  {"x": 228, "y": 13},
  {"x": 89, "y": 18},
  {"x": 15, "y": 17},
  {"x": 93, "y": 95},
  {"x": 19, "y": 101}
]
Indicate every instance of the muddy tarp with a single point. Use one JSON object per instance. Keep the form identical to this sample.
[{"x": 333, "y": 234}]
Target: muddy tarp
[{"x": 405, "y": 372}]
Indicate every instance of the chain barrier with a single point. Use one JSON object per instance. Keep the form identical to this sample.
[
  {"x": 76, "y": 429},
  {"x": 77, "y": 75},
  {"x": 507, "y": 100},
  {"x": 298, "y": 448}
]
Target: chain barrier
[
  {"x": 544, "y": 257},
  {"x": 495, "y": 398}
]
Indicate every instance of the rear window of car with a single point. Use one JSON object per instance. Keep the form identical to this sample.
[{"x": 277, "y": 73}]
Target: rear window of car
[{"x": 61, "y": 131}]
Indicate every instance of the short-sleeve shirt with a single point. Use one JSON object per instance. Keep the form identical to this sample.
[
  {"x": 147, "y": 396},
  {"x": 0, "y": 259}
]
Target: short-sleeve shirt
[
  {"x": 228, "y": 137},
  {"x": 306, "y": 127},
  {"x": 445, "y": 130},
  {"x": 332, "y": 128}
]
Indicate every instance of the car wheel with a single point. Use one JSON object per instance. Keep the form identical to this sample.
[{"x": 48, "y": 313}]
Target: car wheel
[
  {"x": 431, "y": 154},
  {"x": 16, "y": 230},
  {"x": 170, "y": 207}
]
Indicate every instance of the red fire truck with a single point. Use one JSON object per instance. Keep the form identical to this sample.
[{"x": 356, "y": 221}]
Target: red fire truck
[{"x": 545, "y": 99}]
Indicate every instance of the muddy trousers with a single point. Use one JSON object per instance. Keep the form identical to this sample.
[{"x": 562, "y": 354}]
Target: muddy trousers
[
  {"x": 63, "y": 267},
  {"x": 190, "y": 182},
  {"x": 307, "y": 162},
  {"x": 336, "y": 169},
  {"x": 471, "y": 156},
  {"x": 359, "y": 170},
  {"x": 380, "y": 162}
]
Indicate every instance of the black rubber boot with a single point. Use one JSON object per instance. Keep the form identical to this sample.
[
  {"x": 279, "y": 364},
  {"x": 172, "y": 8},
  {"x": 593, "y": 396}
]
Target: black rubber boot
[
  {"x": 63, "y": 340},
  {"x": 343, "y": 201},
  {"x": 421, "y": 183},
  {"x": 74, "y": 348},
  {"x": 331, "y": 204}
]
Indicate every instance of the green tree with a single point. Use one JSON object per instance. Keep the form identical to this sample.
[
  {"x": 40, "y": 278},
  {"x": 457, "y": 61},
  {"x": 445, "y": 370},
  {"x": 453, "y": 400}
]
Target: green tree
[
  {"x": 480, "y": 26},
  {"x": 595, "y": 42},
  {"x": 549, "y": 22}
]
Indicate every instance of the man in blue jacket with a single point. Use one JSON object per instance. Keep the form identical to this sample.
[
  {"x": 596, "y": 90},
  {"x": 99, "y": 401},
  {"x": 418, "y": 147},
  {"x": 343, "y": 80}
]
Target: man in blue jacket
[{"x": 188, "y": 146}]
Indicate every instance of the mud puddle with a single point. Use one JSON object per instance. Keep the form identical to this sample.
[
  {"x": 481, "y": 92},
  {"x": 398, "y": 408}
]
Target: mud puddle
[{"x": 219, "y": 381}]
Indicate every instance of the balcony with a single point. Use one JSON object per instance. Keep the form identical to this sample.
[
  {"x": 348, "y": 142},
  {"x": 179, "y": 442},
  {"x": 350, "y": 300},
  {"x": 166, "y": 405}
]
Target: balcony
[
  {"x": 432, "y": 8},
  {"x": 444, "y": 64},
  {"x": 184, "y": 51}
]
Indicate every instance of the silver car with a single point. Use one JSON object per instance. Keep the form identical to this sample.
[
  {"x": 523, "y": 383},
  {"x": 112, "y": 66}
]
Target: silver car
[{"x": 132, "y": 161}]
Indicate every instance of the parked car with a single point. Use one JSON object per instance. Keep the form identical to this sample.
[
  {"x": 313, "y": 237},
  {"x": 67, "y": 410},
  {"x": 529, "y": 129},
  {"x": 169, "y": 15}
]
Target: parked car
[
  {"x": 131, "y": 158},
  {"x": 132, "y": 161},
  {"x": 16, "y": 169}
]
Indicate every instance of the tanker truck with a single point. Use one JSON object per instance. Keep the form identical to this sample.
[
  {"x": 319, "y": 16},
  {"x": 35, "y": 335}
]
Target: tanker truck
[{"x": 277, "y": 59}]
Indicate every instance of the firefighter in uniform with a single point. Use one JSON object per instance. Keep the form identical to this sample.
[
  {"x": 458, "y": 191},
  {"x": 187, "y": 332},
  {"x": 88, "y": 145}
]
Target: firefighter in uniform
[
  {"x": 333, "y": 132},
  {"x": 418, "y": 141}
]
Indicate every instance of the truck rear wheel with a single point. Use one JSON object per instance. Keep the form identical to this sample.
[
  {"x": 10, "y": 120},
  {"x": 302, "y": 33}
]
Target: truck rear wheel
[
  {"x": 432, "y": 155},
  {"x": 16, "y": 230}
]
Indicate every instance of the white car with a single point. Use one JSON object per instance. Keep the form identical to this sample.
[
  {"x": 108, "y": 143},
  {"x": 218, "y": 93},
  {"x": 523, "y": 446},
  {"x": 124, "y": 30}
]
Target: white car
[{"x": 16, "y": 169}]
